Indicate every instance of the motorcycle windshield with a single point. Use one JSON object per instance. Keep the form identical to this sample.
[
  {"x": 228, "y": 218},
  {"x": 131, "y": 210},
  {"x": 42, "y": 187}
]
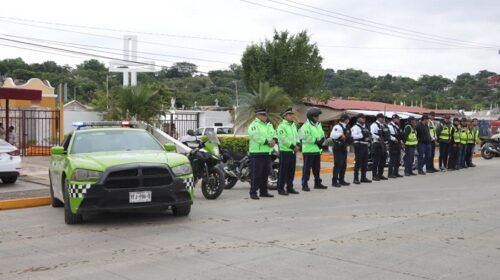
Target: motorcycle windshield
[{"x": 212, "y": 137}]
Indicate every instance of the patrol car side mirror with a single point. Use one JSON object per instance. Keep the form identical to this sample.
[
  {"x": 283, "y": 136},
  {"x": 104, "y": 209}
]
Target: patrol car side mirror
[
  {"x": 58, "y": 150},
  {"x": 170, "y": 147}
]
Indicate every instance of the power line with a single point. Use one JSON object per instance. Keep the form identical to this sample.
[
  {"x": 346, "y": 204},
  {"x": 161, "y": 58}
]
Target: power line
[
  {"x": 90, "y": 54},
  {"x": 93, "y": 46},
  {"x": 128, "y": 31},
  {"x": 403, "y": 48},
  {"x": 388, "y": 26},
  {"x": 117, "y": 38},
  {"x": 349, "y": 26}
]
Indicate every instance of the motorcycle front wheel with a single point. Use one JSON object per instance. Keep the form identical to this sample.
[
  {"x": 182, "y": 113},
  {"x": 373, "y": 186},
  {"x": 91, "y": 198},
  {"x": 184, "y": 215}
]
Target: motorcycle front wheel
[{"x": 212, "y": 184}]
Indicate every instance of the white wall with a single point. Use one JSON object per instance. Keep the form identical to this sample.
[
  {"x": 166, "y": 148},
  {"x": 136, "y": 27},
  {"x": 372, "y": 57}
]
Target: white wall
[
  {"x": 78, "y": 116},
  {"x": 208, "y": 118}
]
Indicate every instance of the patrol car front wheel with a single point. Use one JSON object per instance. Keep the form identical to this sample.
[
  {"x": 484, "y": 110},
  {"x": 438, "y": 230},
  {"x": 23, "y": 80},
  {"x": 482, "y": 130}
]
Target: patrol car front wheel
[
  {"x": 181, "y": 210},
  {"x": 69, "y": 217}
]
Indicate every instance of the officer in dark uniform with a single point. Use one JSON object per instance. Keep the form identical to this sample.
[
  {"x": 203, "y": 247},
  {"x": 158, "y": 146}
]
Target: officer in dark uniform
[
  {"x": 341, "y": 135},
  {"x": 380, "y": 136},
  {"x": 395, "y": 145},
  {"x": 362, "y": 140}
]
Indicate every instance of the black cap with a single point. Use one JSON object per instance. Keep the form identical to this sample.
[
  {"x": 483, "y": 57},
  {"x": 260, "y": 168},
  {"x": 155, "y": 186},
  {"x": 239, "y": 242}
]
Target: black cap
[
  {"x": 432, "y": 113},
  {"x": 261, "y": 111},
  {"x": 344, "y": 117},
  {"x": 411, "y": 118},
  {"x": 286, "y": 112},
  {"x": 456, "y": 119},
  {"x": 360, "y": 115},
  {"x": 464, "y": 119},
  {"x": 425, "y": 117},
  {"x": 380, "y": 115},
  {"x": 395, "y": 116},
  {"x": 447, "y": 117}
]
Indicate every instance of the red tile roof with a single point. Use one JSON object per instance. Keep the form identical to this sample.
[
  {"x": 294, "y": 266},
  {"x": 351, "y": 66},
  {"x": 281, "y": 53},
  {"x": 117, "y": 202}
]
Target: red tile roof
[{"x": 344, "y": 104}]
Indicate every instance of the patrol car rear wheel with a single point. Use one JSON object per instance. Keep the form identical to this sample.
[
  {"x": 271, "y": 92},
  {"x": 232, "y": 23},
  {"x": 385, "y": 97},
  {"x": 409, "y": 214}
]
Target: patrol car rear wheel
[
  {"x": 181, "y": 210},
  {"x": 69, "y": 217}
]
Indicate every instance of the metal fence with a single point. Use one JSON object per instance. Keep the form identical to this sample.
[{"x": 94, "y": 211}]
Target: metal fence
[
  {"x": 178, "y": 124},
  {"x": 35, "y": 130}
]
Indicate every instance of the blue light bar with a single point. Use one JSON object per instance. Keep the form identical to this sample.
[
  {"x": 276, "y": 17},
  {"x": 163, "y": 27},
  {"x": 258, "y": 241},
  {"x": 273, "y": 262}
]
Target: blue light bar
[{"x": 78, "y": 125}]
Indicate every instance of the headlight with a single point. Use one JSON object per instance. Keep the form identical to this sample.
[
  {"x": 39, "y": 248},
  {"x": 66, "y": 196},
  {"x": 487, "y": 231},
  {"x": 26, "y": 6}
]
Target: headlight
[
  {"x": 86, "y": 175},
  {"x": 183, "y": 169}
]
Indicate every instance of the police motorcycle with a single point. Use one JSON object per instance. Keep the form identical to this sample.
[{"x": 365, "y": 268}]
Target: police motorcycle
[
  {"x": 237, "y": 168},
  {"x": 490, "y": 147},
  {"x": 205, "y": 158}
]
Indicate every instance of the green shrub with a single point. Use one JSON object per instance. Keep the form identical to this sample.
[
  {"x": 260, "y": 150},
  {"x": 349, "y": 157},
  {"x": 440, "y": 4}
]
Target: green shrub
[{"x": 235, "y": 143}]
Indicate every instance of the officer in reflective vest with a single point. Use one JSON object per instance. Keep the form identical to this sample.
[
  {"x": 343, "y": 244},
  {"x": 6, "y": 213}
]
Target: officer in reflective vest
[
  {"x": 288, "y": 142},
  {"x": 312, "y": 137},
  {"x": 444, "y": 136},
  {"x": 455, "y": 145},
  {"x": 262, "y": 140},
  {"x": 471, "y": 142},
  {"x": 432, "y": 130},
  {"x": 475, "y": 128},
  {"x": 341, "y": 135},
  {"x": 464, "y": 128},
  {"x": 380, "y": 136},
  {"x": 410, "y": 140},
  {"x": 362, "y": 140},
  {"x": 395, "y": 145}
]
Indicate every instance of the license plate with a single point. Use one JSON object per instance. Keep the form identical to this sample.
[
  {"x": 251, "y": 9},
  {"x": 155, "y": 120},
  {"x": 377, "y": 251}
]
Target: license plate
[{"x": 139, "y": 197}]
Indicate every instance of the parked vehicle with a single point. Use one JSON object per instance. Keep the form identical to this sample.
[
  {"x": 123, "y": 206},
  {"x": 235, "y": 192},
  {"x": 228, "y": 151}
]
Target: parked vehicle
[
  {"x": 237, "y": 168},
  {"x": 10, "y": 162},
  {"x": 110, "y": 166},
  {"x": 490, "y": 147},
  {"x": 205, "y": 158}
]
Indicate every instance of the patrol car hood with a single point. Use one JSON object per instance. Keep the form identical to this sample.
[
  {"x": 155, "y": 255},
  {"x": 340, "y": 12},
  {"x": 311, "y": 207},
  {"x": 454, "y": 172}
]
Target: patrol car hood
[{"x": 103, "y": 160}]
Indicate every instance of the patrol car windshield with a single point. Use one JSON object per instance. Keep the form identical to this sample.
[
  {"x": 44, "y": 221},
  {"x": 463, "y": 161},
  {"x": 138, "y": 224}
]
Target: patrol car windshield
[{"x": 109, "y": 141}]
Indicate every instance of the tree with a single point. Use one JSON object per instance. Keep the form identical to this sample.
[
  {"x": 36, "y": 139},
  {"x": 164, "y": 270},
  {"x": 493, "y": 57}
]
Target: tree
[
  {"x": 270, "y": 98},
  {"x": 287, "y": 61},
  {"x": 130, "y": 103}
]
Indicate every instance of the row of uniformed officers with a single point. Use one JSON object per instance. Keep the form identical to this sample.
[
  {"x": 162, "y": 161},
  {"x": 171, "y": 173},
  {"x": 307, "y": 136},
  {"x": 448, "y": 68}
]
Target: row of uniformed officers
[{"x": 456, "y": 143}]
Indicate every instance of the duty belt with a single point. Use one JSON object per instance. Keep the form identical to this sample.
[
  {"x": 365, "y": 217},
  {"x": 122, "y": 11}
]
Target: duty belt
[{"x": 361, "y": 142}]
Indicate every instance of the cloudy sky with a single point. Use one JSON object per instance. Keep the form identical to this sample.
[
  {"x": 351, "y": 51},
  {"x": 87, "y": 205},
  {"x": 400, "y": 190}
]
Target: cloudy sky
[{"x": 453, "y": 36}]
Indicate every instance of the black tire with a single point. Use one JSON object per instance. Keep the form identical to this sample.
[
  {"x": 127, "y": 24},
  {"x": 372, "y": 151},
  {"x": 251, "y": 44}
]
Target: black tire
[
  {"x": 212, "y": 186},
  {"x": 181, "y": 210},
  {"x": 485, "y": 154},
  {"x": 230, "y": 182},
  {"x": 54, "y": 202},
  {"x": 9, "y": 179},
  {"x": 69, "y": 217},
  {"x": 272, "y": 179}
]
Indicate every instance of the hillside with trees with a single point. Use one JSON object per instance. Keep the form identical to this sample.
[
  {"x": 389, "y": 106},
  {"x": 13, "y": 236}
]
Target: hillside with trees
[{"x": 290, "y": 62}]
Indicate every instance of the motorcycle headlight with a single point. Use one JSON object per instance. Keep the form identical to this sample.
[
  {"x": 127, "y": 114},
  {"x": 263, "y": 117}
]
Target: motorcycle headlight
[
  {"x": 85, "y": 175},
  {"x": 183, "y": 169}
]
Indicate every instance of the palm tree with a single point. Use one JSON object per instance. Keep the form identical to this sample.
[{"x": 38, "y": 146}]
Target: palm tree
[
  {"x": 271, "y": 98},
  {"x": 134, "y": 103}
]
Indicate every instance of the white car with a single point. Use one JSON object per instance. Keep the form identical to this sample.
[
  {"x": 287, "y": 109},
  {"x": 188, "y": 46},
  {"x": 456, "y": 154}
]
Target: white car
[
  {"x": 10, "y": 162},
  {"x": 219, "y": 130}
]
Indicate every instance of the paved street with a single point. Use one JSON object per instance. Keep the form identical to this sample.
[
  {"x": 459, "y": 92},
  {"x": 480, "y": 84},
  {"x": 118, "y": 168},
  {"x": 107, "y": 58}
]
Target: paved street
[{"x": 440, "y": 226}]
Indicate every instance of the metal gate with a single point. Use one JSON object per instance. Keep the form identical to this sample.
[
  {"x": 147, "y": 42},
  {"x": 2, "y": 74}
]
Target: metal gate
[
  {"x": 35, "y": 130},
  {"x": 177, "y": 125}
]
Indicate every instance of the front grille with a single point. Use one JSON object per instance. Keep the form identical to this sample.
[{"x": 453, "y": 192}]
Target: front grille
[{"x": 138, "y": 177}]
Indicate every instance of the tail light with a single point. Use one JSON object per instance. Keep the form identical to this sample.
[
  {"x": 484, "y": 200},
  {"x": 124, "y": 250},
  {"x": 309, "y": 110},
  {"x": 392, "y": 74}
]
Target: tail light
[{"x": 14, "y": 153}]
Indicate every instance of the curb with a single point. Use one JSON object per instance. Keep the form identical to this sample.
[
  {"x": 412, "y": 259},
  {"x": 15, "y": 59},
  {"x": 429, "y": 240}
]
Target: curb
[{"x": 24, "y": 202}]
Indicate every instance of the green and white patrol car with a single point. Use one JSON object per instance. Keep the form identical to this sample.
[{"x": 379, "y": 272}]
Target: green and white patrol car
[{"x": 111, "y": 166}]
